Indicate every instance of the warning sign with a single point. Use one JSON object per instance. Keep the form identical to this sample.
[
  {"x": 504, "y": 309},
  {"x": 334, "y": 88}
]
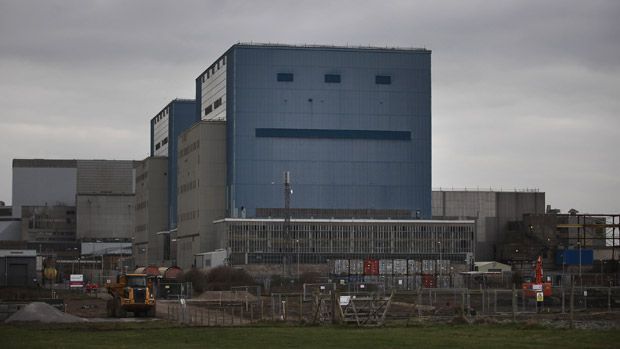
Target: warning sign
[{"x": 540, "y": 297}]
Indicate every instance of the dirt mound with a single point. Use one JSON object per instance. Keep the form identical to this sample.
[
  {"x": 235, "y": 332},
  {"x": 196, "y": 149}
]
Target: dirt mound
[
  {"x": 226, "y": 296},
  {"x": 42, "y": 312}
]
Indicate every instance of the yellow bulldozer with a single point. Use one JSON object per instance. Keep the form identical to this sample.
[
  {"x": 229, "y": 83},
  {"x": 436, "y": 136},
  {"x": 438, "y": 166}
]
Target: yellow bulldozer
[{"x": 131, "y": 293}]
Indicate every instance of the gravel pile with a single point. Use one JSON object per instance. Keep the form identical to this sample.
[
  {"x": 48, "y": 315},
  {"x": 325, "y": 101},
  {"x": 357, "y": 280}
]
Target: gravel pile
[{"x": 43, "y": 312}]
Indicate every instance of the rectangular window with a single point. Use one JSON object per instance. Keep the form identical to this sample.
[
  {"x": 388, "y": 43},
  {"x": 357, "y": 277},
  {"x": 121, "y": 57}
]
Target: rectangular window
[
  {"x": 285, "y": 76},
  {"x": 165, "y": 141},
  {"x": 217, "y": 103},
  {"x": 383, "y": 80},
  {"x": 157, "y": 146},
  {"x": 332, "y": 78},
  {"x": 208, "y": 110},
  {"x": 207, "y": 74}
]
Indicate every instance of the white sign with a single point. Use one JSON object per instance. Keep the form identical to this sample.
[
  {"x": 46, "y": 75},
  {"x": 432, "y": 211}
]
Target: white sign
[
  {"x": 585, "y": 293},
  {"x": 76, "y": 280},
  {"x": 344, "y": 300},
  {"x": 362, "y": 286},
  {"x": 322, "y": 287},
  {"x": 400, "y": 282},
  {"x": 537, "y": 287}
]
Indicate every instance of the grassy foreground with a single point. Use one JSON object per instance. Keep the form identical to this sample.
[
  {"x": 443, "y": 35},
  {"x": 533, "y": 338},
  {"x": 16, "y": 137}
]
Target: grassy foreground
[{"x": 129, "y": 336}]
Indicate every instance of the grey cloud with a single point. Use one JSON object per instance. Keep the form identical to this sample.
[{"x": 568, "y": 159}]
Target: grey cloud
[{"x": 524, "y": 92}]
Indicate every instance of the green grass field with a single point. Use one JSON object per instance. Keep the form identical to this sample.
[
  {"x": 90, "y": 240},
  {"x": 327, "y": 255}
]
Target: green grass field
[{"x": 162, "y": 336}]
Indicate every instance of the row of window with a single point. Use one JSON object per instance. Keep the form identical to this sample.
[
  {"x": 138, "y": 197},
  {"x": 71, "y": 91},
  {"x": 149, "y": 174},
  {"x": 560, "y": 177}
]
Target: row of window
[
  {"x": 162, "y": 115},
  {"x": 189, "y": 148},
  {"x": 159, "y": 145},
  {"x": 211, "y": 69},
  {"x": 188, "y": 216},
  {"x": 187, "y": 186},
  {"x": 335, "y": 78},
  {"x": 215, "y": 105}
]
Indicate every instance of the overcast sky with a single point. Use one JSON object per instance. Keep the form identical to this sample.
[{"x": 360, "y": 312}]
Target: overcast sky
[{"x": 526, "y": 94}]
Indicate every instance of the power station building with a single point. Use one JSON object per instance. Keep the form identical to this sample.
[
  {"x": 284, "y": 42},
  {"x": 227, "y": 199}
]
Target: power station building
[{"x": 351, "y": 125}]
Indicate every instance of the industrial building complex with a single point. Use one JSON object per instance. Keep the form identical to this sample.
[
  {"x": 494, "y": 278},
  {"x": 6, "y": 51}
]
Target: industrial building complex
[{"x": 295, "y": 158}]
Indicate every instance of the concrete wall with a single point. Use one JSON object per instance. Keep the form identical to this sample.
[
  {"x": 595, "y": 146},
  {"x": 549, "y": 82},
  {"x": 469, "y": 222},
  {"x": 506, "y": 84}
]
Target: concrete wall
[
  {"x": 105, "y": 176},
  {"x": 105, "y": 216},
  {"x": 151, "y": 209},
  {"x": 201, "y": 195}
]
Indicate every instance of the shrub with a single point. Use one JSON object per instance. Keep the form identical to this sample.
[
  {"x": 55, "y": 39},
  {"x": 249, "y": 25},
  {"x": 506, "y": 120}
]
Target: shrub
[
  {"x": 224, "y": 277},
  {"x": 197, "y": 278}
]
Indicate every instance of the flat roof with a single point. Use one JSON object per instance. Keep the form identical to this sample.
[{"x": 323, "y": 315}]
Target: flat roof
[
  {"x": 340, "y": 220},
  {"x": 18, "y": 253}
]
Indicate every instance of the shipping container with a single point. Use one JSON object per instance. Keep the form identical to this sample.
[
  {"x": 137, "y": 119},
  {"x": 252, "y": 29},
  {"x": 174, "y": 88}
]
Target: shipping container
[
  {"x": 443, "y": 267},
  {"x": 443, "y": 281},
  {"x": 371, "y": 267},
  {"x": 414, "y": 282},
  {"x": 341, "y": 267},
  {"x": 356, "y": 267},
  {"x": 429, "y": 281},
  {"x": 386, "y": 267},
  {"x": 400, "y": 267},
  {"x": 428, "y": 266},
  {"x": 414, "y": 267}
]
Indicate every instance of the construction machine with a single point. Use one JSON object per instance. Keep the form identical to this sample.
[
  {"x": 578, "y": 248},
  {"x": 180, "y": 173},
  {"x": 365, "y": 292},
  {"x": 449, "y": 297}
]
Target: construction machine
[
  {"x": 532, "y": 289},
  {"x": 131, "y": 293}
]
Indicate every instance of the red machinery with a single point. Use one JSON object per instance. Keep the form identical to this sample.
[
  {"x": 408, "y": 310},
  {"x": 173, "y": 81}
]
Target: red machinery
[{"x": 532, "y": 288}]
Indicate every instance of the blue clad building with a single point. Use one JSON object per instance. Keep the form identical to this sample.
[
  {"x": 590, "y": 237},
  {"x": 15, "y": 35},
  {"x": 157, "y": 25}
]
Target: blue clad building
[
  {"x": 166, "y": 127},
  {"x": 351, "y": 125}
]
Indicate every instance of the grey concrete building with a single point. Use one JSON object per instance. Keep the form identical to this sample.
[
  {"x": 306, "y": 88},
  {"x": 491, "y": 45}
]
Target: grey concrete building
[
  {"x": 492, "y": 210},
  {"x": 98, "y": 194},
  {"x": 201, "y": 189},
  {"x": 151, "y": 237}
]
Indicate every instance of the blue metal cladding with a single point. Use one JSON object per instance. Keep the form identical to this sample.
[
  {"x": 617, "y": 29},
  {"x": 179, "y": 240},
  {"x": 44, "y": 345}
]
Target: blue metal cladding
[
  {"x": 349, "y": 145},
  {"x": 334, "y": 134},
  {"x": 571, "y": 257},
  {"x": 182, "y": 116}
]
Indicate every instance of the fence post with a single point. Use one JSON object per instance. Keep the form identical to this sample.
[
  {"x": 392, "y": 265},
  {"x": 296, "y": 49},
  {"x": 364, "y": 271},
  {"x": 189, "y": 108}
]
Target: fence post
[
  {"x": 463, "y": 302},
  {"x": 419, "y": 302},
  {"x": 483, "y": 303},
  {"x": 563, "y": 301},
  {"x": 514, "y": 303},
  {"x": 495, "y": 304},
  {"x": 572, "y": 304},
  {"x": 609, "y": 299},
  {"x": 301, "y": 308}
]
